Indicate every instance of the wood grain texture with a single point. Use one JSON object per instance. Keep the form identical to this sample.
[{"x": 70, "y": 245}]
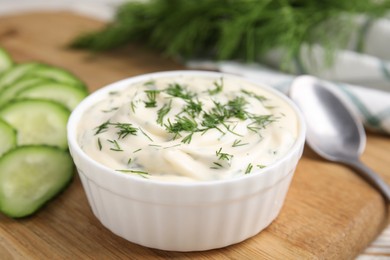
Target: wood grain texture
[{"x": 329, "y": 212}]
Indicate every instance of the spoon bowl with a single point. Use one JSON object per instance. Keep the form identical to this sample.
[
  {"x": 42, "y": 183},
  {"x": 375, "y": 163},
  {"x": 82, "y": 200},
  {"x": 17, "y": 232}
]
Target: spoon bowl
[{"x": 333, "y": 131}]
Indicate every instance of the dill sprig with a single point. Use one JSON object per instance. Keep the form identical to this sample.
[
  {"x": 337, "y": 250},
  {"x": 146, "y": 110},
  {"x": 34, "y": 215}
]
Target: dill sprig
[
  {"x": 177, "y": 90},
  {"x": 223, "y": 156},
  {"x": 182, "y": 124},
  {"x": 116, "y": 147},
  {"x": 218, "y": 87},
  {"x": 238, "y": 29},
  {"x": 163, "y": 111},
  {"x": 140, "y": 173},
  {"x": 124, "y": 129},
  {"x": 151, "y": 95}
]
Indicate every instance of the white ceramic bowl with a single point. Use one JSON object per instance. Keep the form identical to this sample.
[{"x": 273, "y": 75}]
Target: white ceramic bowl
[{"x": 183, "y": 216}]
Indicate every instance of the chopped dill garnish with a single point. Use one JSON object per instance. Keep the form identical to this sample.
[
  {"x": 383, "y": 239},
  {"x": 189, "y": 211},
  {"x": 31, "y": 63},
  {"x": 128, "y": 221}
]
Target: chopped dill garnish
[
  {"x": 110, "y": 110},
  {"x": 238, "y": 142},
  {"x": 135, "y": 151},
  {"x": 218, "y": 166},
  {"x": 154, "y": 145},
  {"x": 187, "y": 139},
  {"x": 193, "y": 108},
  {"x": 249, "y": 168},
  {"x": 236, "y": 108},
  {"x": 145, "y": 134},
  {"x": 150, "y": 83},
  {"x": 260, "y": 122},
  {"x": 116, "y": 147},
  {"x": 162, "y": 112},
  {"x": 175, "y": 145},
  {"x": 182, "y": 124},
  {"x": 223, "y": 156},
  {"x": 102, "y": 128},
  {"x": 113, "y": 93},
  {"x": 177, "y": 90},
  {"x": 140, "y": 173},
  {"x": 129, "y": 161},
  {"x": 133, "y": 106},
  {"x": 99, "y": 144},
  {"x": 254, "y": 95},
  {"x": 260, "y": 166},
  {"x": 215, "y": 117},
  {"x": 151, "y": 95},
  {"x": 218, "y": 87},
  {"x": 124, "y": 129}
]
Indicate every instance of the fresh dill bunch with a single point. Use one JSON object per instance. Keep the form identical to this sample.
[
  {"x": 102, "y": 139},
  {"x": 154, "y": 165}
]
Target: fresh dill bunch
[{"x": 232, "y": 29}]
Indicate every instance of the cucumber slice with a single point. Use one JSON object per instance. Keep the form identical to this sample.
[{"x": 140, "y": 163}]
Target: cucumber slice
[
  {"x": 30, "y": 176},
  {"x": 14, "y": 73},
  {"x": 6, "y": 61},
  {"x": 67, "y": 95},
  {"x": 8, "y": 93},
  {"x": 7, "y": 137},
  {"x": 57, "y": 74},
  {"x": 37, "y": 121}
]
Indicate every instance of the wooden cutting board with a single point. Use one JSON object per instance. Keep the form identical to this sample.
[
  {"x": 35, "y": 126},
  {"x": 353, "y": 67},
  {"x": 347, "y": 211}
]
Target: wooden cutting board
[{"x": 329, "y": 212}]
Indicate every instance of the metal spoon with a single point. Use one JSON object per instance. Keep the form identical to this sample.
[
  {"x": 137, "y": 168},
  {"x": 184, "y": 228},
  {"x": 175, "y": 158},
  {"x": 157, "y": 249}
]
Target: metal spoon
[{"x": 332, "y": 130}]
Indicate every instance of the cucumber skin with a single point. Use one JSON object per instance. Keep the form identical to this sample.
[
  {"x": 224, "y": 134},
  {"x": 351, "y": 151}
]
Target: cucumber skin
[
  {"x": 48, "y": 197},
  {"x": 8, "y": 128},
  {"x": 65, "y": 112},
  {"x": 65, "y": 99}
]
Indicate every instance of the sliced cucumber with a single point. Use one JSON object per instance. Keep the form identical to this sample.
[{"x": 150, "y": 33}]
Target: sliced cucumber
[
  {"x": 37, "y": 121},
  {"x": 30, "y": 176},
  {"x": 8, "y": 93},
  {"x": 14, "y": 73},
  {"x": 65, "y": 94},
  {"x": 7, "y": 137},
  {"x": 57, "y": 74},
  {"x": 6, "y": 61}
]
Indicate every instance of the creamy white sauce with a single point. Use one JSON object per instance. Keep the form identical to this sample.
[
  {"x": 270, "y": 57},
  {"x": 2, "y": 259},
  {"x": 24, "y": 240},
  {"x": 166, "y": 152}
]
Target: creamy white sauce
[{"x": 238, "y": 146}]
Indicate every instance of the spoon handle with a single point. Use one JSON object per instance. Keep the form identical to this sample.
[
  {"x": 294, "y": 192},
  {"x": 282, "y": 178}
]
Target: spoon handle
[{"x": 372, "y": 177}]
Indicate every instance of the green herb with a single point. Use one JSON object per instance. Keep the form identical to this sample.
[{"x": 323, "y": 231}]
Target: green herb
[
  {"x": 110, "y": 110},
  {"x": 124, "y": 129},
  {"x": 236, "y": 108},
  {"x": 254, "y": 95},
  {"x": 182, "y": 124},
  {"x": 102, "y": 128},
  {"x": 237, "y": 143},
  {"x": 140, "y": 173},
  {"x": 193, "y": 108},
  {"x": 152, "y": 95},
  {"x": 177, "y": 90},
  {"x": 136, "y": 151},
  {"x": 129, "y": 161},
  {"x": 239, "y": 29},
  {"x": 116, "y": 147},
  {"x": 215, "y": 117},
  {"x": 249, "y": 168},
  {"x": 260, "y": 122},
  {"x": 145, "y": 134},
  {"x": 150, "y": 83},
  {"x": 223, "y": 156},
  {"x": 217, "y": 166},
  {"x": 133, "y": 106},
  {"x": 162, "y": 112},
  {"x": 261, "y": 166},
  {"x": 99, "y": 144},
  {"x": 218, "y": 87}
]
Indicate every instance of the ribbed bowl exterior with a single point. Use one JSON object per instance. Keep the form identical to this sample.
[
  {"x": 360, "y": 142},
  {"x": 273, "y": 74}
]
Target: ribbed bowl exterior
[{"x": 185, "y": 216}]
